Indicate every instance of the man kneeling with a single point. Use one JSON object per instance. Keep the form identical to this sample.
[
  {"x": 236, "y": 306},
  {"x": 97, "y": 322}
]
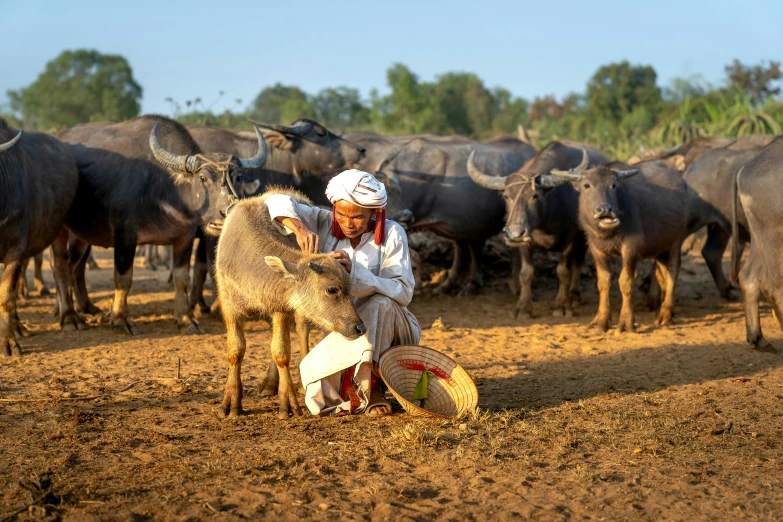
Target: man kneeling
[{"x": 340, "y": 376}]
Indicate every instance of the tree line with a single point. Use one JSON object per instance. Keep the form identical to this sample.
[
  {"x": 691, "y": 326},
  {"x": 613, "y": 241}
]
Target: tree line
[{"x": 621, "y": 107}]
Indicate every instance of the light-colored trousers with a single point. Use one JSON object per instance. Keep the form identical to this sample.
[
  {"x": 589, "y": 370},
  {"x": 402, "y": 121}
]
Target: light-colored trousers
[{"x": 388, "y": 324}]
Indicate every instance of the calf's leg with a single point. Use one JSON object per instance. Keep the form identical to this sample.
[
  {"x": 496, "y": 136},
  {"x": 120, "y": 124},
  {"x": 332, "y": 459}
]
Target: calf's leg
[
  {"x": 232, "y": 399},
  {"x": 281, "y": 353},
  {"x": 9, "y": 322},
  {"x": 750, "y": 279}
]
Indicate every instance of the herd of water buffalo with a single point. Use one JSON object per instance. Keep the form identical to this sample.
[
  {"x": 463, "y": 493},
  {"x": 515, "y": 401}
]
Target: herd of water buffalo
[{"x": 152, "y": 181}]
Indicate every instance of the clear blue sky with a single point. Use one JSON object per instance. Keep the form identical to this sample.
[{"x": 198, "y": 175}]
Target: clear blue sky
[{"x": 188, "y": 49}]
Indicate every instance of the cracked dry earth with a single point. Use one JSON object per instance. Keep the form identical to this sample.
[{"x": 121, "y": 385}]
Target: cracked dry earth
[{"x": 673, "y": 423}]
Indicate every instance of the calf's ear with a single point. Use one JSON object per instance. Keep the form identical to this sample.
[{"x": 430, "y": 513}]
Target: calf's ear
[{"x": 284, "y": 268}]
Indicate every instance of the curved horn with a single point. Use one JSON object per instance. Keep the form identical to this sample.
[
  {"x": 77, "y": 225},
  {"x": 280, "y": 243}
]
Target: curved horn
[
  {"x": 481, "y": 179},
  {"x": 179, "y": 162},
  {"x": 291, "y": 130},
  {"x": 259, "y": 160},
  {"x": 8, "y": 145},
  {"x": 524, "y": 137},
  {"x": 585, "y": 160},
  {"x": 623, "y": 174},
  {"x": 551, "y": 181},
  {"x": 569, "y": 175},
  {"x": 318, "y": 269}
]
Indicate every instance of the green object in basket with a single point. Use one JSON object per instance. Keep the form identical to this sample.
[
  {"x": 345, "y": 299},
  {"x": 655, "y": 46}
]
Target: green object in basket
[{"x": 421, "y": 387}]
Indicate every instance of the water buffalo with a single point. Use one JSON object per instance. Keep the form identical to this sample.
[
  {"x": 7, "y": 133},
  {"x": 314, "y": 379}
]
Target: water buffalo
[
  {"x": 38, "y": 282},
  {"x": 260, "y": 271},
  {"x": 691, "y": 150},
  {"x": 712, "y": 177},
  {"x": 146, "y": 181},
  {"x": 304, "y": 155},
  {"x": 39, "y": 181},
  {"x": 635, "y": 214},
  {"x": 757, "y": 190},
  {"x": 436, "y": 188},
  {"x": 542, "y": 212}
]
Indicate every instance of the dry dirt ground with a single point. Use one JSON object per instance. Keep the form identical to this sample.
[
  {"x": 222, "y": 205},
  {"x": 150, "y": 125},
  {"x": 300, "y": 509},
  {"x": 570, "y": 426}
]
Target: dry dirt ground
[{"x": 673, "y": 423}]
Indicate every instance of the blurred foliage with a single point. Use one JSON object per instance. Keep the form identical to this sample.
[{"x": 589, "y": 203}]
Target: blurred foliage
[
  {"x": 76, "y": 87},
  {"x": 622, "y": 109}
]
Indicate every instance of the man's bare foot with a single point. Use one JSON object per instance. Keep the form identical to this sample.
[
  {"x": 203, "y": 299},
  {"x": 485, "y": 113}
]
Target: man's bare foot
[
  {"x": 378, "y": 404},
  {"x": 379, "y": 409}
]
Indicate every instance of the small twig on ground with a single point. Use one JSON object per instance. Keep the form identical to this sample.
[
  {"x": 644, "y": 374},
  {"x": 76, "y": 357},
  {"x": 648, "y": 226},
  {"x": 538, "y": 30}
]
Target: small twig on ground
[
  {"x": 90, "y": 398},
  {"x": 28, "y": 506},
  {"x": 179, "y": 367}
]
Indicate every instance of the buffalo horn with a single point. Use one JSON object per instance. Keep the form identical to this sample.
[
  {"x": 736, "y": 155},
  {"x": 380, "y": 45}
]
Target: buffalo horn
[
  {"x": 259, "y": 160},
  {"x": 315, "y": 267},
  {"x": 551, "y": 181},
  {"x": 179, "y": 162},
  {"x": 569, "y": 175},
  {"x": 585, "y": 160},
  {"x": 6, "y": 146},
  {"x": 291, "y": 130},
  {"x": 622, "y": 174},
  {"x": 490, "y": 182}
]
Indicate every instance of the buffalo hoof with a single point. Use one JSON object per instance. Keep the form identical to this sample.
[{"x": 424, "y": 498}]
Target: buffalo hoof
[
  {"x": 469, "y": 289},
  {"x": 44, "y": 292},
  {"x": 558, "y": 312},
  {"x": 522, "y": 315},
  {"x": 229, "y": 412},
  {"x": 191, "y": 329},
  {"x": 762, "y": 345},
  {"x": 267, "y": 388},
  {"x": 664, "y": 317},
  {"x": 601, "y": 325},
  {"x": 92, "y": 264},
  {"x": 124, "y": 327},
  {"x": 71, "y": 321},
  {"x": 576, "y": 300},
  {"x": 150, "y": 267},
  {"x": 11, "y": 347},
  {"x": 569, "y": 313},
  {"x": 90, "y": 309},
  {"x": 731, "y": 295}
]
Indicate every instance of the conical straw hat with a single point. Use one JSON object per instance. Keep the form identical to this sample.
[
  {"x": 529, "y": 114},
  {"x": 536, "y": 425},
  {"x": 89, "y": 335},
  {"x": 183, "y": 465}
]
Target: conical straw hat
[{"x": 451, "y": 392}]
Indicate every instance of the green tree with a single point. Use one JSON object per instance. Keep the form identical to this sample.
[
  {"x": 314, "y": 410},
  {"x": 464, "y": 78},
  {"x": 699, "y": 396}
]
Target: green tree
[
  {"x": 79, "y": 86},
  {"x": 341, "y": 108},
  {"x": 757, "y": 82},
  {"x": 281, "y": 104},
  {"x": 407, "y": 109},
  {"x": 509, "y": 111},
  {"x": 616, "y": 89}
]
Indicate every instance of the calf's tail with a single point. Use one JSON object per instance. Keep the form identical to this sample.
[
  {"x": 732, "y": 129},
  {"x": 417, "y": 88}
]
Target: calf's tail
[{"x": 735, "y": 249}]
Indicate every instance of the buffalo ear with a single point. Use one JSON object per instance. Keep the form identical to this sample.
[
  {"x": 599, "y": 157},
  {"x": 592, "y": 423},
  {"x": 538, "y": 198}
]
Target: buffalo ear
[
  {"x": 284, "y": 268},
  {"x": 281, "y": 141},
  {"x": 250, "y": 188}
]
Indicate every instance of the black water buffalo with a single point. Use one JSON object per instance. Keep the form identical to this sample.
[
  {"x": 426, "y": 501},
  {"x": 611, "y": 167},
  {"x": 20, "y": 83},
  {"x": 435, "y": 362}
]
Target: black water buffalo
[
  {"x": 542, "y": 212},
  {"x": 635, "y": 214},
  {"x": 757, "y": 191},
  {"x": 691, "y": 150},
  {"x": 147, "y": 181},
  {"x": 436, "y": 188},
  {"x": 712, "y": 178},
  {"x": 38, "y": 180},
  {"x": 304, "y": 155}
]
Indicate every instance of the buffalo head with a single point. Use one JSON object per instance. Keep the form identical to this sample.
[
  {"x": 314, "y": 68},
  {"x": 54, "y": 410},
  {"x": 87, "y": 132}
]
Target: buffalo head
[
  {"x": 9, "y": 144},
  {"x": 209, "y": 179},
  {"x": 395, "y": 207},
  {"x": 314, "y": 150}
]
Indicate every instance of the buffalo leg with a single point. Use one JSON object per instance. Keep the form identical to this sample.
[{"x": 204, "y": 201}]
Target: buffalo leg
[
  {"x": 577, "y": 261},
  {"x": 604, "y": 277},
  {"x": 750, "y": 278},
  {"x": 92, "y": 264},
  {"x": 200, "y": 269},
  {"x": 281, "y": 353},
  {"x": 124, "y": 249},
  {"x": 9, "y": 325},
  {"x": 714, "y": 248},
  {"x": 627, "y": 278},
  {"x": 563, "y": 300},
  {"x": 460, "y": 253},
  {"x": 38, "y": 280},
  {"x": 23, "y": 288},
  {"x": 654, "y": 288},
  {"x": 78, "y": 254},
  {"x": 524, "y": 307},
  {"x": 58, "y": 260},
  {"x": 669, "y": 270},
  {"x": 232, "y": 399},
  {"x": 513, "y": 282},
  {"x": 476, "y": 248},
  {"x": 181, "y": 277}
]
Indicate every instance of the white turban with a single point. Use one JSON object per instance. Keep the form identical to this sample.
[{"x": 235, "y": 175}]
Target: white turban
[{"x": 358, "y": 187}]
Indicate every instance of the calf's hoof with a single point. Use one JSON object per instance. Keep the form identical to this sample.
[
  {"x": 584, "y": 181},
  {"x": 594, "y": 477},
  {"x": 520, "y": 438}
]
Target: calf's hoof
[
  {"x": 11, "y": 347},
  {"x": 601, "y": 325},
  {"x": 267, "y": 389},
  {"x": 664, "y": 317},
  {"x": 124, "y": 327},
  {"x": 215, "y": 308}
]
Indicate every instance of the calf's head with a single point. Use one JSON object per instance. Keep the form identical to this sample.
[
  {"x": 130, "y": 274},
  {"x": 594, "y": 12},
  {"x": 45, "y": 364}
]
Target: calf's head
[
  {"x": 321, "y": 291},
  {"x": 207, "y": 181},
  {"x": 314, "y": 149}
]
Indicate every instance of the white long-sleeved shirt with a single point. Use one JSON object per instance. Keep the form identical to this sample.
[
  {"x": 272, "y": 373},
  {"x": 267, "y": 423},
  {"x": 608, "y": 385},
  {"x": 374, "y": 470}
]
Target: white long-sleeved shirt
[{"x": 375, "y": 269}]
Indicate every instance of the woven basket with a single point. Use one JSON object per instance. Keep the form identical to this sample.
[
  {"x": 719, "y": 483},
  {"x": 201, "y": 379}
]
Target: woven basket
[{"x": 451, "y": 392}]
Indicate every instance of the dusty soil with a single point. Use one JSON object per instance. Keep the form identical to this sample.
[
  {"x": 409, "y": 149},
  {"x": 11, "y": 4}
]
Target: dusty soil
[{"x": 674, "y": 423}]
